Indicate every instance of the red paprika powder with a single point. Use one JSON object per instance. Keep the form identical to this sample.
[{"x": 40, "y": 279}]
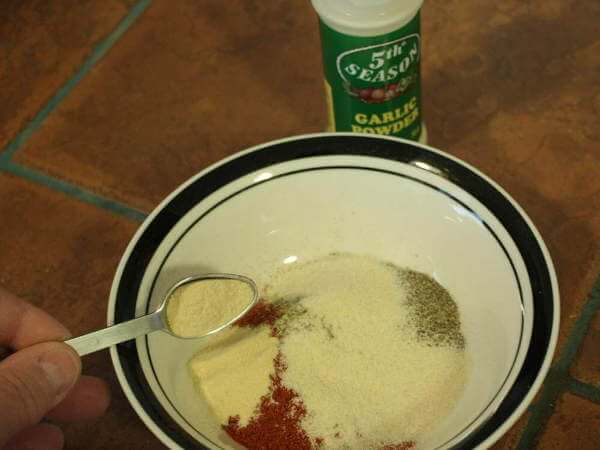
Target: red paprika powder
[
  {"x": 277, "y": 424},
  {"x": 261, "y": 313}
]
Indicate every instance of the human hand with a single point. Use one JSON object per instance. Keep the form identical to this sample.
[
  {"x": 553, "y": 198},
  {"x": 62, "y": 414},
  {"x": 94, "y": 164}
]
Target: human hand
[{"x": 41, "y": 379}]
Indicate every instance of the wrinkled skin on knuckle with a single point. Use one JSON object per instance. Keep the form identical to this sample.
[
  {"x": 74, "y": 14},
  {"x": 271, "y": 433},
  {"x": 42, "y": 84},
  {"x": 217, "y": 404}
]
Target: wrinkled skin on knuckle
[{"x": 23, "y": 404}]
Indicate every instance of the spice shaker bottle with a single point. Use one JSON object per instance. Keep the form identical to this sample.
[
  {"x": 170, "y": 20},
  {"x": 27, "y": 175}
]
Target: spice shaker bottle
[{"x": 371, "y": 58}]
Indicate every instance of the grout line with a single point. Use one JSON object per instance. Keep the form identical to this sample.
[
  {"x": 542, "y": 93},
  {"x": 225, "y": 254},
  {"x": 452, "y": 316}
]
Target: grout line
[
  {"x": 72, "y": 191},
  {"x": 558, "y": 378},
  {"x": 580, "y": 328},
  {"x": 542, "y": 409},
  {"x": 585, "y": 390},
  {"x": 96, "y": 54}
]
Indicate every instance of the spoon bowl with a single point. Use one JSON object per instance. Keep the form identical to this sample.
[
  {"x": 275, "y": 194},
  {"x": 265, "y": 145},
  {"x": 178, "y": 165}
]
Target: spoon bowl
[
  {"x": 160, "y": 320},
  {"x": 221, "y": 321}
]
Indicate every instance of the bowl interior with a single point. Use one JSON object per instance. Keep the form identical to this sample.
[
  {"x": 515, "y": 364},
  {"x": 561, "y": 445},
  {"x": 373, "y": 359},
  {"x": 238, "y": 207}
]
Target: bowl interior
[{"x": 309, "y": 207}]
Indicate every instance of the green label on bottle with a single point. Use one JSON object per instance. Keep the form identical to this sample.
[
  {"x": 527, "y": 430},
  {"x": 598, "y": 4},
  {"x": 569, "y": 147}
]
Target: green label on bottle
[{"x": 374, "y": 81}]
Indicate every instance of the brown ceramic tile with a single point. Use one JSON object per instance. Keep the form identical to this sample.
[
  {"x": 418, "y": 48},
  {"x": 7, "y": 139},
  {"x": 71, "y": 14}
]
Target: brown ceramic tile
[
  {"x": 574, "y": 425},
  {"x": 587, "y": 365},
  {"x": 43, "y": 43},
  {"x": 519, "y": 98},
  {"x": 485, "y": 57},
  {"x": 511, "y": 439},
  {"x": 61, "y": 254},
  {"x": 188, "y": 84}
]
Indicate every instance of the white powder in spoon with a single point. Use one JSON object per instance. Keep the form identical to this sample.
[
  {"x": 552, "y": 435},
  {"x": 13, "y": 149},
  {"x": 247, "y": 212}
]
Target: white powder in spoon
[{"x": 198, "y": 307}]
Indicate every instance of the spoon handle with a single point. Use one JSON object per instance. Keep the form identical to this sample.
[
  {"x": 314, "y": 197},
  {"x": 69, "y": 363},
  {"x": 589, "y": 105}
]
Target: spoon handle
[{"x": 101, "y": 339}]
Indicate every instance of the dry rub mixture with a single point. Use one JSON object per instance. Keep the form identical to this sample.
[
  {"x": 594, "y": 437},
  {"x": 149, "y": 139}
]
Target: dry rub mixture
[{"x": 344, "y": 352}]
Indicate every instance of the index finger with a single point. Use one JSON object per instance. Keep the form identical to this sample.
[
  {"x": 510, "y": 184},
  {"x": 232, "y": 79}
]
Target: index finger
[{"x": 22, "y": 324}]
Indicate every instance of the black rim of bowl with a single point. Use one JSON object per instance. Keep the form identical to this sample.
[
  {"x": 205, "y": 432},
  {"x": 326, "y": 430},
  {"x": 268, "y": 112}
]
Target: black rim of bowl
[{"x": 329, "y": 145}]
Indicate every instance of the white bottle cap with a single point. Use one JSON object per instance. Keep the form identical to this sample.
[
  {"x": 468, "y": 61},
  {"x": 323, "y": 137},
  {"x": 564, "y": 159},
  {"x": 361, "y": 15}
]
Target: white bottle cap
[{"x": 366, "y": 17}]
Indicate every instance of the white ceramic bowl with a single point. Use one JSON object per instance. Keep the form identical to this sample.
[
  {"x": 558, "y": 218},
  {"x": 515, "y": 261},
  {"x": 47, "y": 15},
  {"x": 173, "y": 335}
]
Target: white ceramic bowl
[{"x": 307, "y": 196}]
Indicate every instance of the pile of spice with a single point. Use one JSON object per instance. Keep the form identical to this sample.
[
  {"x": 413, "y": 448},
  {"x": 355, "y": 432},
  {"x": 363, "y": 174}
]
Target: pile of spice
[
  {"x": 277, "y": 423},
  {"x": 233, "y": 371},
  {"x": 363, "y": 355}
]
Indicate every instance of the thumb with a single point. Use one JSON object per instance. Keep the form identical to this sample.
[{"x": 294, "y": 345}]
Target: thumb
[{"x": 32, "y": 381}]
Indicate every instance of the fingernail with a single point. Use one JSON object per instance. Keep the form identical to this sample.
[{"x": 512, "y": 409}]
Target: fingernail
[{"x": 61, "y": 367}]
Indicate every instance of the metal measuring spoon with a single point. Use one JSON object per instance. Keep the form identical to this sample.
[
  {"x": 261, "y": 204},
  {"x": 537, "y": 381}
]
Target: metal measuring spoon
[{"x": 125, "y": 331}]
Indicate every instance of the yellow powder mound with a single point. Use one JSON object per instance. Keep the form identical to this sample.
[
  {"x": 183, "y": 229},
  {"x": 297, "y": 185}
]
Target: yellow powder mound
[{"x": 233, "y": 371}]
